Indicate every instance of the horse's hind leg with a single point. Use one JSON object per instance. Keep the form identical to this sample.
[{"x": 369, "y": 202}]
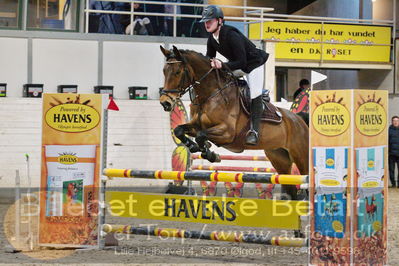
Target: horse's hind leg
[
  {"x": 281, "y": 161},
  {"x": 300, "y": 155}
]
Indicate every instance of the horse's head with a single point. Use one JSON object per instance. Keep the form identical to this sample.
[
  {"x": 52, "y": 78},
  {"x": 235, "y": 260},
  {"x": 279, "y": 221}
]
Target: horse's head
[{"x": 178, "y": 77}]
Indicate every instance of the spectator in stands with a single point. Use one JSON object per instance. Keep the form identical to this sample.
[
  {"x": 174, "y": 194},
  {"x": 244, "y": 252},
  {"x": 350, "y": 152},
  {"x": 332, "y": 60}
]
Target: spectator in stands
[
  {"x": 163, "y": 25},
  {"x": 186, "y": 27},
  {"x": 169, "y": 9},
  {"x": 111, "y": 23},
  {"x": 141, "y": 25},
  {"x": 304, "y": 84},
  {"x": 393, "y": 150}
]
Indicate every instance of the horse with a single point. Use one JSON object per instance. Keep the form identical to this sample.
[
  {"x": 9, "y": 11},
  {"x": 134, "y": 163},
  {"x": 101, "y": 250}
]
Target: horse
[
  {"x": 217, "y": 116},
  {"x": 371, "y": 209}
]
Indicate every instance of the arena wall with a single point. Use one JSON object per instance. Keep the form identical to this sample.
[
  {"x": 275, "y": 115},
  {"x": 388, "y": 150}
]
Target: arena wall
[{"x": 138, "y": 137}]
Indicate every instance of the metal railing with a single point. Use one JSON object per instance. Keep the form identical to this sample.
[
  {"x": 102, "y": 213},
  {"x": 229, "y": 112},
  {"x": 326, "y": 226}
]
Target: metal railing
[
  {"x": 254, "y": 14},
  {"x": 175, "y": 15},
  {"x": 250, "y": 15}
]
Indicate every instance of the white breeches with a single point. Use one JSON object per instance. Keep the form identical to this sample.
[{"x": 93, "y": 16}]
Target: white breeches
[{"x": 255, "y": 79}]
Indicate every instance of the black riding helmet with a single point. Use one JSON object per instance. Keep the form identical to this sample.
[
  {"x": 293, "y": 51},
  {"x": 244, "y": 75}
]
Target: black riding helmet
[{"x": 211, "y": 12}]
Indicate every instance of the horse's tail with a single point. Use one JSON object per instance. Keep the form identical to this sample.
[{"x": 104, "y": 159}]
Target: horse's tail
[{"x": 304, "y": 116}]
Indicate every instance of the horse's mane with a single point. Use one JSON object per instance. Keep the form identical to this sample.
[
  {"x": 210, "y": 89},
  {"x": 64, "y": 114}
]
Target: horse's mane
[
  {"x": 195, "y": 53},
  {"x": 201, "y": 57}
]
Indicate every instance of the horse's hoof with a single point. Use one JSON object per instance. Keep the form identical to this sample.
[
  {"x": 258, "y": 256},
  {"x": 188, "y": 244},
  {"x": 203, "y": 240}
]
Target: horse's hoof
[
  {"x": 299, "y": 234},
  {"x": 212, "y": 157}
]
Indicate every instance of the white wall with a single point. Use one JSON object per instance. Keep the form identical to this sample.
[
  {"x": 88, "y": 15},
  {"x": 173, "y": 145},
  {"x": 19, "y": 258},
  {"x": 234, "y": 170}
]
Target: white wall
[
  {"x": 76, "y": 62},
  {"x": 20, "y": 134},
  {"x": 14, "y": 64},
  {"x": 138, "y": 137},
  {"x": 124, "y": 64},
  {"x": 128, "y": 64},
  {"x": 195, "y": 47},
  {"x": 56, "y": 62}
]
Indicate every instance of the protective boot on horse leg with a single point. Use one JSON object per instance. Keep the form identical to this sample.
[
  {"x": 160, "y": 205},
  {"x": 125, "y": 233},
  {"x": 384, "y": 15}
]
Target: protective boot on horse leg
[
  {"x": 180, "y": 134},
  {"x": 202, "y": 140}
]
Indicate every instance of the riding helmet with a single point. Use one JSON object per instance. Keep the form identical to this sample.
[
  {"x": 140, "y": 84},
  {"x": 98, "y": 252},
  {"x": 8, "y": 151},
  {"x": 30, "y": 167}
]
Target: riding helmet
[{"x": 211, "y": 12}]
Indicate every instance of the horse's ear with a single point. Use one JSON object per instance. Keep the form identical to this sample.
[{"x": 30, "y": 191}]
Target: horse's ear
[
  {"x": 177, "y": 54},
  {"x": 165, "y": 52}
]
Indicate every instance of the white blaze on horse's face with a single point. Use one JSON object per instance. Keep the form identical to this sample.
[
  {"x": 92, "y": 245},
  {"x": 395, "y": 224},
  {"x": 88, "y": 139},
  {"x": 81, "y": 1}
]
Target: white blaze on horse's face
[{"x": 173, "y": 73}]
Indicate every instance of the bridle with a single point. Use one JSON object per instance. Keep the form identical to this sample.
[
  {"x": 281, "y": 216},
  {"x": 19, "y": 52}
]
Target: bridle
[
  {"x": 189, "y": 88},
  {"x": 192, "y": 84}
]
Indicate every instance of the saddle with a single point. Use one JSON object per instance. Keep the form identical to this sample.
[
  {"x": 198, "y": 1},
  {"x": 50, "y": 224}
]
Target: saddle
[{"x": 270, "y": 112}]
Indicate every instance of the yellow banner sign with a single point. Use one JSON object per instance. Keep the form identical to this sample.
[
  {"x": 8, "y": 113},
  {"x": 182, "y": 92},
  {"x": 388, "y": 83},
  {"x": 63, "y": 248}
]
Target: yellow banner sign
[
  {"x": 330, "y": 42},
  {"x": 331, "y": 118},
  {"x": 370, "y": 118},
  {"x": 70, "y": 117},
  {"x": 207, "y": 210},
  {"x": 72, "y": 128}
]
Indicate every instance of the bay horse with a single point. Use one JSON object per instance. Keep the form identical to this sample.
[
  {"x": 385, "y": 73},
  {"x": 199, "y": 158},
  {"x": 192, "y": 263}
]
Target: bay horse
[{"x": 217, "y": 116}]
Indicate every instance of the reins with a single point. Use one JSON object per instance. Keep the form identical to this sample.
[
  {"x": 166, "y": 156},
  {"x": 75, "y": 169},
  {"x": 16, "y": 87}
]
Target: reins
[
  {"x": 189, "y": 88},
  {"x": 192, "y": 85}
]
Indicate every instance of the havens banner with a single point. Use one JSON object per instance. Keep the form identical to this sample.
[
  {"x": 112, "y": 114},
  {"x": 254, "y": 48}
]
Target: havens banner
[
  {"x": 72, "y": 130},
  {"x": 348, "y": 170},
  {"x": 208, "y": 210},
  {"x": 330, "y": 42}
]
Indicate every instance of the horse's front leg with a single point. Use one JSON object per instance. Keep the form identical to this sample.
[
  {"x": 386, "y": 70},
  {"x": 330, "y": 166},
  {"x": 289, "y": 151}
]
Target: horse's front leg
[
  {"x": 180, "y": 133},
  {"x": 218, "y": 135},
  {"x": 204, "y": 145}
]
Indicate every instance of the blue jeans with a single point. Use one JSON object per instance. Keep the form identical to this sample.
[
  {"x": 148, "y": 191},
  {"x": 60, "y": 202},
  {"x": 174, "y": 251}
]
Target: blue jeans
[{"x": 393, "y": 159}]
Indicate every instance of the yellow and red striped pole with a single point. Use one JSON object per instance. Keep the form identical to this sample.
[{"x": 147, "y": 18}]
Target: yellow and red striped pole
[
  {"x": 233, "y": 168},
  {"x": 266, "y": 178},
  {"x": 229, "y": 236}
]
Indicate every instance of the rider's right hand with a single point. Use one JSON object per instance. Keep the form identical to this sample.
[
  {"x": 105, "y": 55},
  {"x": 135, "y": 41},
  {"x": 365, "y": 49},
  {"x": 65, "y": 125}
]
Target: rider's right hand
[{"x": 216, "y": 63}]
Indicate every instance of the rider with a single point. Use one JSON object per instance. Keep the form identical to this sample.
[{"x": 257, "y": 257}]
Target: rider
[{"x": 244, "y": 59}]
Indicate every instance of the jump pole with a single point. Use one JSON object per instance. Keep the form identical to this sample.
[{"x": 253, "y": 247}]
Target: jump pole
[
  {"x": 233, "y": 168},
  {"x": 235, "y": 157},
  {"x": 265, "y": 178},
  {"x": 215, "y": 235}
]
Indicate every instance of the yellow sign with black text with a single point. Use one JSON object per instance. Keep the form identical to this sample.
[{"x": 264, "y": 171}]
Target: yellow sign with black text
[
  {"x": 331, "y": 119},
  {"x": 330, "y": 42},
  {"x": 282, "y": 214},
  {"x": 70, "y": 117},
  {"x": 71, "y": 164},
  {"x": 370, "y": 118}
]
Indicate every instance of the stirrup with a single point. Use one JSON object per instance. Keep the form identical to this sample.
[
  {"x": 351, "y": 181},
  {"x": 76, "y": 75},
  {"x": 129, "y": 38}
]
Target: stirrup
[{"x": 253, "y": 133}]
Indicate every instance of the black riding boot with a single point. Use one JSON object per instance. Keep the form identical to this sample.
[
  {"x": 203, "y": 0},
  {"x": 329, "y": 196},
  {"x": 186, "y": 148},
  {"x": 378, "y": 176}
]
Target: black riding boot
[{"x": 252, "y": 137}]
